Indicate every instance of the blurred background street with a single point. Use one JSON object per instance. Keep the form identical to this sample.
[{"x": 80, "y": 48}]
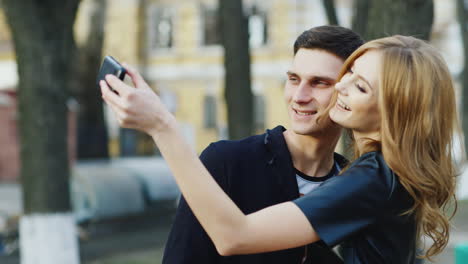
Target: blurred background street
[{"x": 140, "y": 239}]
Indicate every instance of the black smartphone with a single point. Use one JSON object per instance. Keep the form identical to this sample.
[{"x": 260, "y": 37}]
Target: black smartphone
[{"x": 111, "y": 66}]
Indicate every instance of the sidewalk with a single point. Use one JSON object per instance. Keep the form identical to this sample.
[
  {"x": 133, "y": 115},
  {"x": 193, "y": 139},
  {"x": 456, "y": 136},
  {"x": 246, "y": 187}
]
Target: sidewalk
[{"x": 10, "y": 202}]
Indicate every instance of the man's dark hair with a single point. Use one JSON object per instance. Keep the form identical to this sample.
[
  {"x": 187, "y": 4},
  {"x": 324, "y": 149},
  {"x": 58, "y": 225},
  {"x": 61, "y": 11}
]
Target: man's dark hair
[{"x": 334, "y": 39}]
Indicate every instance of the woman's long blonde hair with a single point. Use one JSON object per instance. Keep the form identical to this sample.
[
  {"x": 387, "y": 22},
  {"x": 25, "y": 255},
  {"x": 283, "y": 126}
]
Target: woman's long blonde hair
[{"x": 418, "y": 122}]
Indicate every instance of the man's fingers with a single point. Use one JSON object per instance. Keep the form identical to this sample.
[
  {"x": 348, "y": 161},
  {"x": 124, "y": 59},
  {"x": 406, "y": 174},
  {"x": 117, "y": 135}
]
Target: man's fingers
[
  {"x": 137, "y": 79},
  {"x": 118, "y": 85}
]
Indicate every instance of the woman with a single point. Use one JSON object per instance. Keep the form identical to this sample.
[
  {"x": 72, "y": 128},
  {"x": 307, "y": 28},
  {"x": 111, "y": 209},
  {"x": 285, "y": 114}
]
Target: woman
[{"x": 396, "y": 96}]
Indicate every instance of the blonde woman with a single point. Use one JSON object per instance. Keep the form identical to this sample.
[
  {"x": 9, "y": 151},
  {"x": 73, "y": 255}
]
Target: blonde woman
[{"x": 397, "y": 97}]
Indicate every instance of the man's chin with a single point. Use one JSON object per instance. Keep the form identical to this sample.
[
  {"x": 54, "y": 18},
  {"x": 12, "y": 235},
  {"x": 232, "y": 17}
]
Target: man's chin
[
  {"x": 315, "y": 130},
  {"x": 306, "y": 131}
]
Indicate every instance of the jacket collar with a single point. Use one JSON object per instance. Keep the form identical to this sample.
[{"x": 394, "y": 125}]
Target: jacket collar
[{"x": 281, "y": 162}]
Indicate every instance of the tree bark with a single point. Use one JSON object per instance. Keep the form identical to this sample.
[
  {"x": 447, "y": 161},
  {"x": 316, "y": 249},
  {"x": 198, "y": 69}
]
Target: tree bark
[
  {"x": 142, "y": 40},
  {"x": 360, "y": 17},
  {"x": 390, "y": 17},
  {"x": 330, "y": 9},
  {"x": 42, "y": 34},
  {"x": 92, "y": 141},
  {"x": 462, "y": 10},
  {"x": 43, "y": 37},
  {"x": 237, "y": 92}
]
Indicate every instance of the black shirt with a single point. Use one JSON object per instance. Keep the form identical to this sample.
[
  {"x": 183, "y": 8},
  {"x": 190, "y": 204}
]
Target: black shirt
[{"x": 362, "y": 208}]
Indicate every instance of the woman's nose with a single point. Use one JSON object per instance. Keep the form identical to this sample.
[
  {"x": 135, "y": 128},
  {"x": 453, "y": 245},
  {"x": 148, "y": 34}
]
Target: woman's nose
[{"x": 340, "y": 86}]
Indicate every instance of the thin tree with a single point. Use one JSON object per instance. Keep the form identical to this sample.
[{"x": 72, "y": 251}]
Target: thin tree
[
  {"x": 237, "y": 89},
  {"x": 462, "y": 9},
  {"x": 381, "y": 18},
  {"x": 92, "y": 141},
  {"x": 42, "y": 34},
  {"x": 330, "y": 10},
  {"x": 360, "y": 17}
]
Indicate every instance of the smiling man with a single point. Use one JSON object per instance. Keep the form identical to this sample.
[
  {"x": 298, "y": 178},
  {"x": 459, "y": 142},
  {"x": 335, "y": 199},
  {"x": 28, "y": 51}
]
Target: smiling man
[{"x": 279, "y": 165}]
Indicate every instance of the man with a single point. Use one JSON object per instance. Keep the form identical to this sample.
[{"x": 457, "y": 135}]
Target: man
[{"x": 279, "y": 165}]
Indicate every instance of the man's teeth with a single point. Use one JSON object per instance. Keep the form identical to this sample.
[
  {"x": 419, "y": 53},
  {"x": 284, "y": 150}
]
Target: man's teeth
[{"x": 341, "y": 104}]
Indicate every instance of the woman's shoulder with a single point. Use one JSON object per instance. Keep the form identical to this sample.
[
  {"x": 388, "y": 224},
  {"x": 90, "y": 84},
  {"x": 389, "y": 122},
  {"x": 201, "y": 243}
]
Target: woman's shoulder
[
  {"x": 372, "y": 169},
  {"x": 373, "y": 160}
]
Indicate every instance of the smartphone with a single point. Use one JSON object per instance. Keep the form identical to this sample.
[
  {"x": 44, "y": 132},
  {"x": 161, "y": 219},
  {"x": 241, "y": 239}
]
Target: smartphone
[{"x": 111, "y": 66}]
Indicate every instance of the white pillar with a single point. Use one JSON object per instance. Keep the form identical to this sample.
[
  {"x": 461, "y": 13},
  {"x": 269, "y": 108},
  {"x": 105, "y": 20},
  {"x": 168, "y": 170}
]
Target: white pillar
[{"x": 48, "y": 239}]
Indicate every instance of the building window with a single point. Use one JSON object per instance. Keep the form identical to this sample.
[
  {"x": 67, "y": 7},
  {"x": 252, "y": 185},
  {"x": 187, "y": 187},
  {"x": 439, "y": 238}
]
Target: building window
[
  {"x": 209, "y": 112},
  {"x": 258, "y": 31},
  {"x": 160, "y": 27},
  {"x": 211, "y": 32},
  {"x": 5, "y": 37},
  {"x": 257, "y": 26}
]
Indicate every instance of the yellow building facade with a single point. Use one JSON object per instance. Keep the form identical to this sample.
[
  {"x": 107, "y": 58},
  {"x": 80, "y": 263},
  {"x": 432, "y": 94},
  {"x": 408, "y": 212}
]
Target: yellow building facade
[
  {"x": 175, "y": 46},
  {"x": 173, "y": 43}
]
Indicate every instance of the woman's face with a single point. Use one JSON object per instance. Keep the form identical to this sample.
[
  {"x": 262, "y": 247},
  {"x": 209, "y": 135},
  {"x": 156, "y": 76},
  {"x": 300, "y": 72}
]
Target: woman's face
[{"x": 356, "y": 107}]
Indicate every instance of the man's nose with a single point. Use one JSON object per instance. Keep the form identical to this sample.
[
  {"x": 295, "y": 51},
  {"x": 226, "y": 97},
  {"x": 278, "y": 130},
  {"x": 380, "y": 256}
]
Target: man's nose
[{"x": 303, "y": 93}]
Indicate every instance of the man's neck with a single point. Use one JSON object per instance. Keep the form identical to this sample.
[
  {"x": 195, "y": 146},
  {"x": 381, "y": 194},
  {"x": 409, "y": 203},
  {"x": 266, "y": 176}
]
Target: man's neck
[{"x": 312, "y": 155}]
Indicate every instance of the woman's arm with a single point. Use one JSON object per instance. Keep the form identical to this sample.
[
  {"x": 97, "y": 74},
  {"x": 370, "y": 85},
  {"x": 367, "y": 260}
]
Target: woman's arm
[
  {"x": 277, "y": 227},
  {"x": 273, "y": 228}
]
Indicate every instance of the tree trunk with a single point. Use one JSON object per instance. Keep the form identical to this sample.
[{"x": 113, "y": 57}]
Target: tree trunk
[
  {"x": 360, "y": 17},
  {"x": 92, "y": 132},
  {"x": 43, "y": 36},
  {"x": 462, "y": 10},
  {"x": 390, "y": 17},
  {"x": 330, "y": 9},
  {"x": 237, "y": 91},
  {"x": 142, "y": 40}
]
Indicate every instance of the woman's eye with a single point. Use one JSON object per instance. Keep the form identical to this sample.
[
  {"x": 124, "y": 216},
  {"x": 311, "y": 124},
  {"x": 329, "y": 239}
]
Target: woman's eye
[{"x": 360, "y": 88}]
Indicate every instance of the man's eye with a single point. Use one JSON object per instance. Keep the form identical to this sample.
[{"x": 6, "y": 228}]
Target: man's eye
[
  {"x": 293, "y": 79},
  {"x": 321, "y": 83}
]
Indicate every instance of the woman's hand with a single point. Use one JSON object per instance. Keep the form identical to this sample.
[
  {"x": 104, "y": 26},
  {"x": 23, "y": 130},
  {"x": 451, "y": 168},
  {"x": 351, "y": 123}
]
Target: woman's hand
[{"x": 137, "y": 107}]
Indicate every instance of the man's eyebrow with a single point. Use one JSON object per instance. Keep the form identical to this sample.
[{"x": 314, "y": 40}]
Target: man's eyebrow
[{"x": 324, "y": 78}]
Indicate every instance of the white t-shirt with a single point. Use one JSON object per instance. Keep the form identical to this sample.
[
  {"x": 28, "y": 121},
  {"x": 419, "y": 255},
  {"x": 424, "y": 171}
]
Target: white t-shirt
[{"x": 308, "y": 183}]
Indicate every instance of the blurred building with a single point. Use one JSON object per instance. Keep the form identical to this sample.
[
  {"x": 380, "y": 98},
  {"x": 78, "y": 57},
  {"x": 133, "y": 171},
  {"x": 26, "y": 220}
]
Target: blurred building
[
  {"x": 9, "y": 150},
  {"x": 176, "y": 46}
]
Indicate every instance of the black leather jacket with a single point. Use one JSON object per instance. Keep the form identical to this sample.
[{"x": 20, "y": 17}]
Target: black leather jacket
[{"x": 362, "y": 208}]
